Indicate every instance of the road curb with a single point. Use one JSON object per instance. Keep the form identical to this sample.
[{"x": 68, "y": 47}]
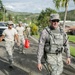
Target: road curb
[{"x": 34, "y": 39}]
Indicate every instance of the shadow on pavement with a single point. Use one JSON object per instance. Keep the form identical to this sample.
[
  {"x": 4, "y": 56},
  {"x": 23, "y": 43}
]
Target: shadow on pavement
[
  {"x": 29, "y": 61},
  {"x": 1, "y": 46},
  {"x": 73, "y": 60},
  {"x": 33, "y": 44},
  {"x": 5, "y": 70},
  {"x": 68, "y": 70}
]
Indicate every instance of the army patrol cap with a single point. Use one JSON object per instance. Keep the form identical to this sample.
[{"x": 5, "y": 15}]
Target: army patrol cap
[
  {"x": 20, "y": 22},
  {"x": 54, "y": 17},
  {"x": 10, "y": 23}
]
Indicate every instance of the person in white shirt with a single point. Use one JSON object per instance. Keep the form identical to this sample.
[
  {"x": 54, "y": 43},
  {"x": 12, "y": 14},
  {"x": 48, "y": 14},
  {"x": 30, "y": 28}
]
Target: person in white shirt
[
  {"x": 9, "y": 34},
  {"x": 20, "y": 29}
]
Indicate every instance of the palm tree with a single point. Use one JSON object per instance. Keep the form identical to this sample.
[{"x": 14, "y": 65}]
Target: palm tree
[
  {"x": 1, "y": 5},
  {"x": 62, "y": 3}
]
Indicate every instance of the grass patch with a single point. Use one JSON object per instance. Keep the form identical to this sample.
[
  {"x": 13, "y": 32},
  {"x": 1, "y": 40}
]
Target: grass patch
[
  {"x": 36, "y": 36},
  {"x": 72, "y": 51},
  {"x": 71, "y": 38}
]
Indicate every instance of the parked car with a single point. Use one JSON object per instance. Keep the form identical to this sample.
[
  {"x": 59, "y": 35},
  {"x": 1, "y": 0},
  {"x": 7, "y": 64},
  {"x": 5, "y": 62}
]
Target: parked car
[{"x": 2, "y": 27}]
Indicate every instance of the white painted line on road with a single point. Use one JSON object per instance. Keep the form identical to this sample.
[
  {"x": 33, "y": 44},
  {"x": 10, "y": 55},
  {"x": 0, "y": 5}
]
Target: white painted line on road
[{"x": 34, "y": 39}]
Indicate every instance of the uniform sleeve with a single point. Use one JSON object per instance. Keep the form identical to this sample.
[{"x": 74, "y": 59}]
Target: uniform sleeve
[
  {"x": 66, "y": 45},
  {"x": 4, "y": 33},
  {"x": 15, "y": 31},
  {"x": 23, "y": 28},
  {"x": 16, "y": 28},
  {"x": 40, "y": 50}
]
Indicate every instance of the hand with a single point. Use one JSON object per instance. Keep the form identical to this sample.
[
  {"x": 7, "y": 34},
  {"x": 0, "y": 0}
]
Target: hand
[
  {"x": 0, "y": 39},
  {"x": 18, "y": 44},
  {"x": 66, "y": 29},
  {"x": 68, "y": 61},
  {"x": 39, "y": 66}
]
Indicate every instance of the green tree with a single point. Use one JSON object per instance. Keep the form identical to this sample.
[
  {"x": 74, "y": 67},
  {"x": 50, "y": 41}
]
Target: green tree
[
  {"x": 34, "y": 29},
  {"x": 10, "y": 17},
  {"x": 1, "y": 5},
  {"x": 1, "y": 10},
  {"x": 43, "y": 19},
  {"x": 1, "y": 16},
  {"x": 62, "y": 3}
]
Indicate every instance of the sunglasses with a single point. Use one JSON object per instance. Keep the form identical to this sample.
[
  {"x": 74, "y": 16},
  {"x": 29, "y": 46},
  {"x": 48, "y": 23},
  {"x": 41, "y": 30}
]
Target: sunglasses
[
  {"x": 10, "y": 24},
  {"x": 55, "y": 20}
]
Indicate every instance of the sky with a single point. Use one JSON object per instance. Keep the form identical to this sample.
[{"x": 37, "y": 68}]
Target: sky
[{"x": 33, "y": 6}]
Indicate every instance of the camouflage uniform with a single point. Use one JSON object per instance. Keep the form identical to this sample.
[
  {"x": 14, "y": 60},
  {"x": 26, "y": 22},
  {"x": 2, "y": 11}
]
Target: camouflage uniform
[
  {"x": 9, "y": 49},
  {"x": 53, "y": 60},
  {"x": 20, "y": 31},
  {"x": 9, "y": 35},
  {"x": 21, "y": 39}
]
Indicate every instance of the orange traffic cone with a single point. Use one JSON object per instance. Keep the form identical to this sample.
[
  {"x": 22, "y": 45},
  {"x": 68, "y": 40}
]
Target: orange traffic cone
[{"x": 27, "y": 43}]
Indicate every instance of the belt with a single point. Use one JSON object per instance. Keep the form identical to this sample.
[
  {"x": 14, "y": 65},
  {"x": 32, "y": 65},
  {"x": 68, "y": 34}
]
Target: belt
[{"x": 55, "y": 53}]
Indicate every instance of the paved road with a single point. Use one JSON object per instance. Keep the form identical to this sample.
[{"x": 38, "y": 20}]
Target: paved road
[
  {"x": 72, "y": 44},
  {"x": 25, "y": 64}
]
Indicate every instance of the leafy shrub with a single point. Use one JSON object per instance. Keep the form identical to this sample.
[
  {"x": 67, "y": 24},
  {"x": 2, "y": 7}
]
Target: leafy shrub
[{"x": 34, "y": 29}]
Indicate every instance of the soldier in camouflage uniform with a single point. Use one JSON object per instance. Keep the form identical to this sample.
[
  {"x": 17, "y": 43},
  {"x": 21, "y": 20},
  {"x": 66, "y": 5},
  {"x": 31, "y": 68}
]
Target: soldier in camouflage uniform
[
  {"x": 9, "y": 34},
  {"x": 20, "y": 30},
  {"x": 51, "y": 43}
]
